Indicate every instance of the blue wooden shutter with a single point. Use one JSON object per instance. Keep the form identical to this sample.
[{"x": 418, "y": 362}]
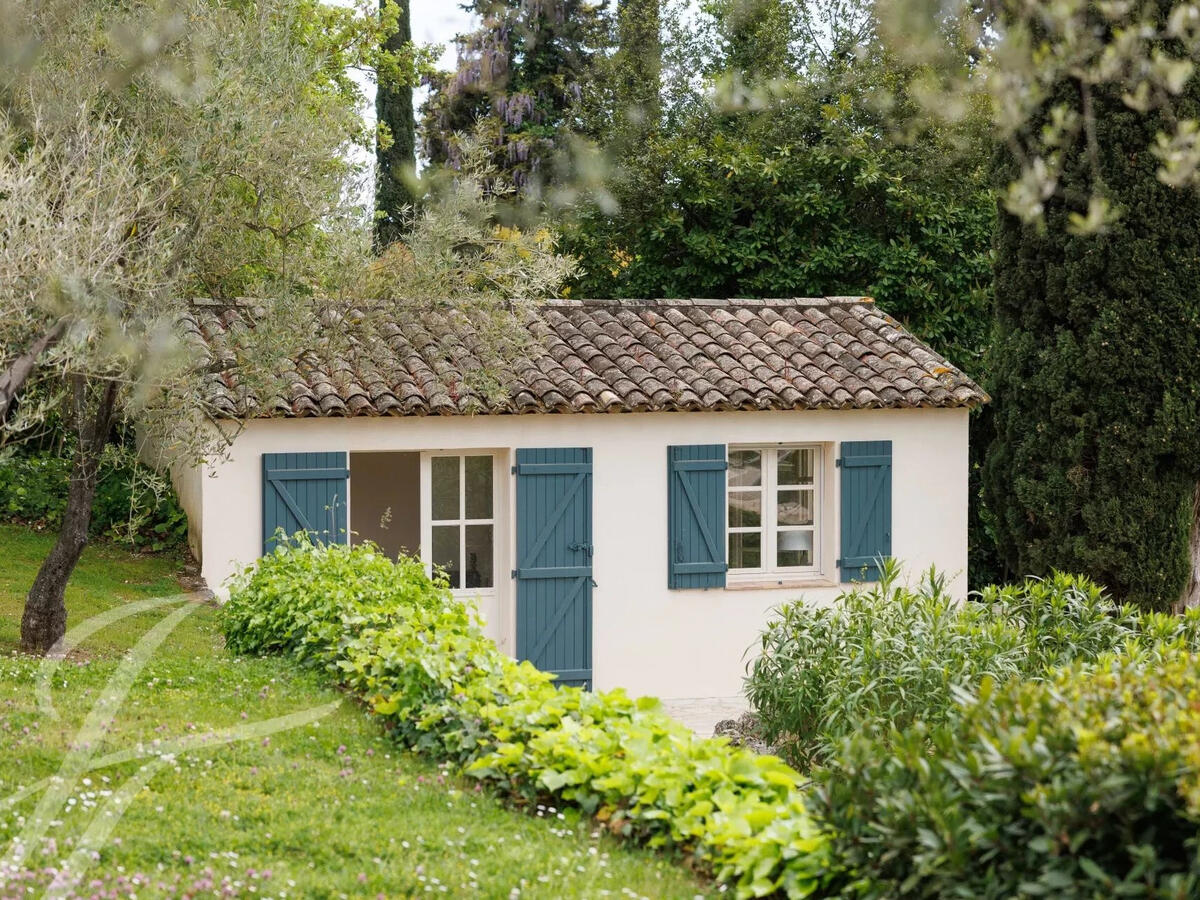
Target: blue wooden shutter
[
  {"x": 305, "y": 492},
  {"x": 554, "y": 561},
  {"x": 696, "y": 516},
  {"x": 866, "y": 508}
]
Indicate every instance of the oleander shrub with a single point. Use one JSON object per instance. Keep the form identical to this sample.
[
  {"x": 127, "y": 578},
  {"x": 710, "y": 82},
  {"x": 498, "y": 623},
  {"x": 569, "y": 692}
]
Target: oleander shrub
[
  {"x": 885, "y": 656},
  {"x": 418, "y": 657},
  {"x": 1083, "y": 784}
]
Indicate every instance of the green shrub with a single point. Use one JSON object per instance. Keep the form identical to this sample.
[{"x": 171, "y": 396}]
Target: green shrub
[
  {"x": 33, "y": 490},
  {"x": 303, "y": 598},
  {"x": 420, "y": 659},
  {"x": 133, "y": 506},
  {"x": 1086, "y": 784},
  {"x": 884, "y": 655}
]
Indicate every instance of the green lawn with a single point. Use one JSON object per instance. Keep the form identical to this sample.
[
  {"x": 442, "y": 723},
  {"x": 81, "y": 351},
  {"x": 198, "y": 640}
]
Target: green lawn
[{"x": 326, "y": 809}]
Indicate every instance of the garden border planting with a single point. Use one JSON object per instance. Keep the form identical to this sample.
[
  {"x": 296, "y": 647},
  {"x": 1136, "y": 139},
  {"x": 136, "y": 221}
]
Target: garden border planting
[{"x": 417, "y": 656}]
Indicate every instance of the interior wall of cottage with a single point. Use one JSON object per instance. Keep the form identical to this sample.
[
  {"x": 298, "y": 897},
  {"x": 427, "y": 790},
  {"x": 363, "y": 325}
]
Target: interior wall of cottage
[{"x": 385, "y": 500}]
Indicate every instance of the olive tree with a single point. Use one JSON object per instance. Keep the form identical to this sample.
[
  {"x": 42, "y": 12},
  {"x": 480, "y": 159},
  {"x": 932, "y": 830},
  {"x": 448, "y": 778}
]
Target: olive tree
[
  {"x": 149, "y": 154},
  {"x": 152, "y": 155}
]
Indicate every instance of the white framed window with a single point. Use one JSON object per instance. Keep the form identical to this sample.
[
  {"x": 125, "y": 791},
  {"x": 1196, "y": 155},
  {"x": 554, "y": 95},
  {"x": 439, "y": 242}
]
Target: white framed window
[
  {"x": 460, "y": 520},
  {"x": 773, "y": 509}
]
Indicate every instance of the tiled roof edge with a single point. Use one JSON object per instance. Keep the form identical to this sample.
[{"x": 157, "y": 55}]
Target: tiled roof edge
[{"x": 716, "y": 302}]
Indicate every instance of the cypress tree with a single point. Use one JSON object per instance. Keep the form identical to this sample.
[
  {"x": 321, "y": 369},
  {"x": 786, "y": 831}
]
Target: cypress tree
[
  {"x": 1096, "y": 369},
  {"x": 395, "y": 159}
]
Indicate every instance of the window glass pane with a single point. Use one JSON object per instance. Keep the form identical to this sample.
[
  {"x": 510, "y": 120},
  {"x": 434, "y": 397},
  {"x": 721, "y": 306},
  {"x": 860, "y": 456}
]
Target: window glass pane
[
  {"x": 745, "y": 509},
  {"x": 479, "y": 488},
  {"x": 795, "y": 549},
  {"x": 479, "y": 556},
  {"x": 745, "y": 550},
  {"x": 745, "y": 468},
  {"x": 445, "y": 487},
  {"x": 445, "y": 552},
  {"x": 795, "y": 507},
  {"x": 796, "y": 466}
]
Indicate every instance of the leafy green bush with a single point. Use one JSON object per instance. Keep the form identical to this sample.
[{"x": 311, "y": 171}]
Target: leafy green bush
[
  {"x": 33, "y": 489},
  {"x": 1086, "y": 784},
  {"x": 419, "y": 658},
  {"x": 886, "y": 656},
  {"x": 133, "y": 506},
  {"x": 301, "y": 599}
]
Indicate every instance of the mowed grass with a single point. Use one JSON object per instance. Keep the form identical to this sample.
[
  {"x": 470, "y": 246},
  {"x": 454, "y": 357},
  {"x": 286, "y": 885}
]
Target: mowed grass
[{"x": 327, "y": 809}]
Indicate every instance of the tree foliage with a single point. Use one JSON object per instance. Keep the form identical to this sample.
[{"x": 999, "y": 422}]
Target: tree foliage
[
  {"x": 637, "y": 70},
  {"x": 519, "y": 83},
  {"x": 1058, "y": 65},
  {"x": 1096, "y": 373},
  {"x": 758, "y": 186},
  {"x": 396, "y": 138}
]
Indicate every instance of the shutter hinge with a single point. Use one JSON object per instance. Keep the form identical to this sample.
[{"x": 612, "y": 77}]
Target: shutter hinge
[
  {"x": 838, "y": 562},
  {"x": 513, "y": 470},
  {"x": 514, "y": 574},
  {"x": 838, "y": 462}
]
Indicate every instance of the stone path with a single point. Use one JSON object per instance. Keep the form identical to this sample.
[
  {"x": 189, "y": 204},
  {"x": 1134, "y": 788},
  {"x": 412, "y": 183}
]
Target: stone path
[{"x": 701, "y": 714}]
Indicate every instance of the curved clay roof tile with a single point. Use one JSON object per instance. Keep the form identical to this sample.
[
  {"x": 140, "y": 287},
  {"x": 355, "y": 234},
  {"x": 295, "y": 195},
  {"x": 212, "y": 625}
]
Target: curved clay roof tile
[{"x": 599, "y": 356}]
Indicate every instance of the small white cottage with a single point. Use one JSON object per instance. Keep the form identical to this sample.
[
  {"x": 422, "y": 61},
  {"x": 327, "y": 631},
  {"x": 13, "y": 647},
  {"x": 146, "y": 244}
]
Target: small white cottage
[{"x": 655, "y": 479}]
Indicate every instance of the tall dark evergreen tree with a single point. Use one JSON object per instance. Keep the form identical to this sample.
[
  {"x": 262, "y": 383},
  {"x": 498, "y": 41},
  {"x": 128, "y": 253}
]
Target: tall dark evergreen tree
[
  {"x": 520, "y": 82},
  {"x": 1096, "y": 369},
  {"x": 396, "y": 145}
]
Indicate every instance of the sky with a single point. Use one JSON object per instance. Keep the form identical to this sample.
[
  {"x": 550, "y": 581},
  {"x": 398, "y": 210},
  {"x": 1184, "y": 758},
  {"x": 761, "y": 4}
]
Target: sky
[{"x": 437, "y": 22}]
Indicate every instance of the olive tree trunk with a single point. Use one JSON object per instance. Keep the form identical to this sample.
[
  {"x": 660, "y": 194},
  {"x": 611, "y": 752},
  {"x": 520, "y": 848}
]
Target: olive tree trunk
[
  {"x": 1190, "y": 597},
  {"x": 44, "y": 620}
]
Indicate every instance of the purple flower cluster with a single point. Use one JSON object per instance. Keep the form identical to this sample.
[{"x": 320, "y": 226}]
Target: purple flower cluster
[{"x": 513, "y": 109}]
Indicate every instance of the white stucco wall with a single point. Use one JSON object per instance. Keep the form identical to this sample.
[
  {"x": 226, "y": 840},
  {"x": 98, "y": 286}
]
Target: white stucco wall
[
  {"x": 188, "y": 481},
  {"x": 646, "y": 638}
]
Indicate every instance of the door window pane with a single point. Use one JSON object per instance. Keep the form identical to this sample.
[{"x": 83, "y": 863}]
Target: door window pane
[
  {"x": 479, "y": 487},
  {"x": 745, "y": 509},
  {"x": 795, "y": 508},
  {"x": 478, "y": 573},
  {"x": 795, "y": 549},
  {"x": 445, "y": 487},
  {"x": 446, "y": 552},
  {"x": 745, "y": 468},
  {"x": 745, "y": 550},
  {"x": 796, "y": 467}
]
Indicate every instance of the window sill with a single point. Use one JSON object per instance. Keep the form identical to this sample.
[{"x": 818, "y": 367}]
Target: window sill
[{"x": 777, "y": 582}]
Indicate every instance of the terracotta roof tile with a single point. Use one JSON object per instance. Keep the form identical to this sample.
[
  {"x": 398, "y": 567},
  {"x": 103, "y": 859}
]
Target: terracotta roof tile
[{"x": 615, "y": 356}]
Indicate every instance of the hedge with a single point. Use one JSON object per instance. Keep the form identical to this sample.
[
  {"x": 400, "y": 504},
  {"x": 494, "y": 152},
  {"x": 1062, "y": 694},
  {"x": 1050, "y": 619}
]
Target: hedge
[
  {"x": 1086, "y": 784},
  {"x": 418, "y": 657},
  {"x": 884, "y": 657}
]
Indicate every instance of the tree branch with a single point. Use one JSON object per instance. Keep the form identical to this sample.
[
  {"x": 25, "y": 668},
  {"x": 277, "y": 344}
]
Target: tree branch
[{"x": 13, "y": 378}]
